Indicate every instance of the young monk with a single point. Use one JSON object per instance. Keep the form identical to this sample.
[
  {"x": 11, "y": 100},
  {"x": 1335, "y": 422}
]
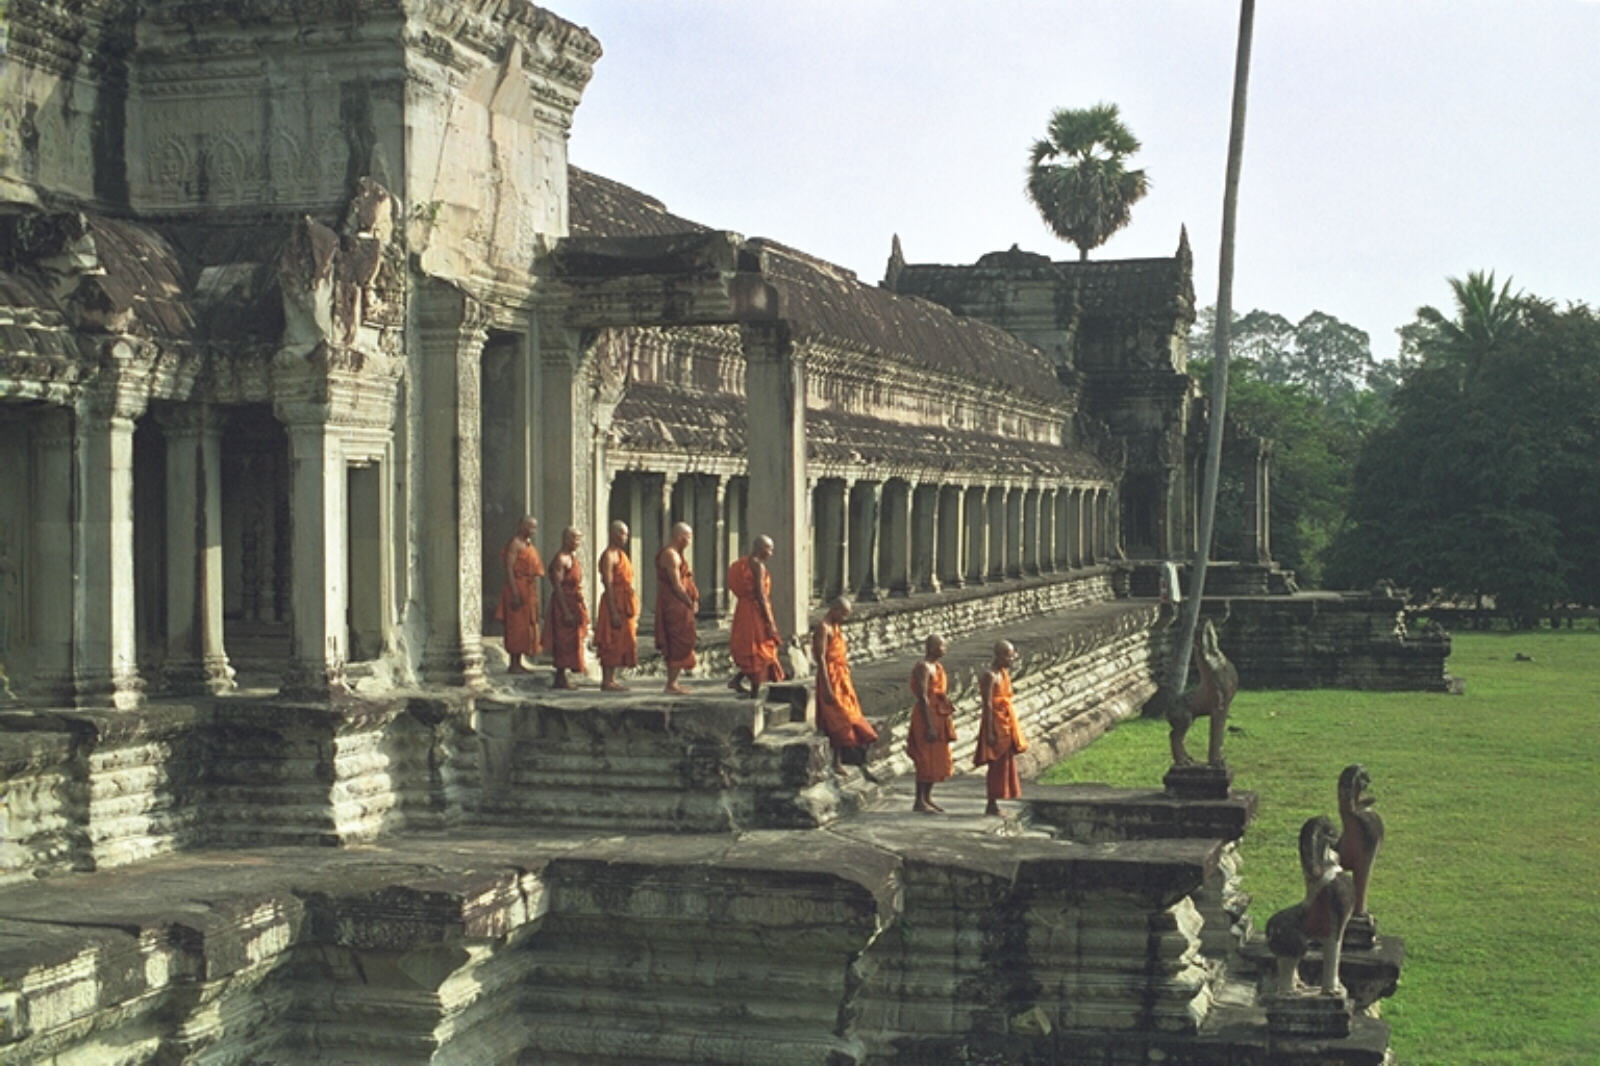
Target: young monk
[
  {"x": 838, "y": 708},
  {"x": 568, "y": 618},
  {"x": 616, "y": 627},
  {"x": 755, "y": 640},
  {"x": 677, "y": 600},
  {"x": 932, "y": 725},
  {"x": 519, "y": 597},
  {"x": 1000, "y": 738}
]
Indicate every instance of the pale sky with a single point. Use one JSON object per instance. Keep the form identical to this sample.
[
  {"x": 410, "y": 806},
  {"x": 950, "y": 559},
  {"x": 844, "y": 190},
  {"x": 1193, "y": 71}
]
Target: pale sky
[{"x": 1389, "y": 143}]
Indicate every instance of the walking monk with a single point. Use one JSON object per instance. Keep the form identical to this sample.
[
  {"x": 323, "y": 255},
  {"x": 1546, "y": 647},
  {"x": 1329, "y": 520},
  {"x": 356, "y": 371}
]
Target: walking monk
[
  {"x": 838, "y": 708},
  {"x": 568, "y": 619},
  {"x": 519, "y": 597},
  {"x": 932, "y": 725},
  {"x": 755, "y": 640},
  {"x": 677, "y": 600},
  {"x": 1000, "y": 738},
  {"x": 616, "y": 630}
]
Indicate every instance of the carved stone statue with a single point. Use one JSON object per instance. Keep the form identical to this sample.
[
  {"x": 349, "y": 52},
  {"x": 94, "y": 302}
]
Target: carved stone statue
[
  {"x": 1210, "y": 699},
  {"x": 1321, "y": 916},
  {"x": 1358, "y": 844}
]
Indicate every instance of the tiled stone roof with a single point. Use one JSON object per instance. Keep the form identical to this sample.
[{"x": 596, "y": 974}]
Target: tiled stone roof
[{"x": 600, "y": 207}]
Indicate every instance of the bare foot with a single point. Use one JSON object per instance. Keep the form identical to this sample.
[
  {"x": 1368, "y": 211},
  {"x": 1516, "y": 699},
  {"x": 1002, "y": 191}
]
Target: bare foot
[
  {"x": 516, "y": 668},
  {"x": 993, "y": 808},
  {"x": 614, "y": 686},
  {"x": 676, "y": 690},
  {"x": 924, "y": 808},
  {"x": 935, "y": 808}
]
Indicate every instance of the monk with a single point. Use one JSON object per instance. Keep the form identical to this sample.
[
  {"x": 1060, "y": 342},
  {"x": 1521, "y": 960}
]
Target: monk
[
  {"x": 1000, "y": 738},
  {"x": 616, "y": 629},
  {"x": 932, "y": 726},
  {"x": 568, "y": 619},
  {"x": 755, "y": 640},
  {"x": 677, "y": 600},
  {"x": 838, "y": 708},
  {"x": 519, "y": 597}
]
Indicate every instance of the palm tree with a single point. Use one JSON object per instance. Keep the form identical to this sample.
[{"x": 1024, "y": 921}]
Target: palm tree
[
  {"x": 1090, "y": 194},
  {"x": 1484, "y": 317}
]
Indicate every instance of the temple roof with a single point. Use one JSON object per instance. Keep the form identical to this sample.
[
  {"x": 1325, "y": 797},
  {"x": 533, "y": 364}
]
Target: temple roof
[
  {"x": 663, "y": 419},
  {"x": 600, "y": 207}
]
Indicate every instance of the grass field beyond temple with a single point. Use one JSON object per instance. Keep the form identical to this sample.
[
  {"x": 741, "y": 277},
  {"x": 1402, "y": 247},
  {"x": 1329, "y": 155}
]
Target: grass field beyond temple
[{"x": 1489, "y": 868}]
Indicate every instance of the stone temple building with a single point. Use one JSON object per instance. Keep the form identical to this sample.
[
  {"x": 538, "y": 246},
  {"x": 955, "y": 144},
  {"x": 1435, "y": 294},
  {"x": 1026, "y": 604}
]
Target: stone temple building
[{"x": 302, "y": 307}]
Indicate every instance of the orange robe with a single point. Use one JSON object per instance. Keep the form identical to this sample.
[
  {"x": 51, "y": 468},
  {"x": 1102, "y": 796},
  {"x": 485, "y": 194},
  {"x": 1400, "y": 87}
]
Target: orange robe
[
  {"x": 618, "y": 645},
  {"x": 1001, "y": 757},
  {"x": 753, "y": 650},
  {"x": 522, "y": 623},
  {"x": 931, "y": 755},
  {"x": 566, "y": 639},
  {"x": 839, "y": 710},
  {"x": 674, "y": 618}
]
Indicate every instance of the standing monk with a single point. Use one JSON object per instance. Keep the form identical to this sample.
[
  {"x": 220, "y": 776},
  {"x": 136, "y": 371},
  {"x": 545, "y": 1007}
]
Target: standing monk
[
  {"x": 932, "y": 725},
  {"x": 1000, "y": 738},
  {"x": 568, "y": 618},
  {"x": 838, "y": 708},
  {"x": 677, "y": 600},
  {"x": 755, "y": 639},
  {"x": 519, "y": 597},
  {"x": 616, "y": 631}
]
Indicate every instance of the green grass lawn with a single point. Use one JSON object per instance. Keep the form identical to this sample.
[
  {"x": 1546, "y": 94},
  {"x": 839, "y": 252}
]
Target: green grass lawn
[{"x": 1490, "y": 867}]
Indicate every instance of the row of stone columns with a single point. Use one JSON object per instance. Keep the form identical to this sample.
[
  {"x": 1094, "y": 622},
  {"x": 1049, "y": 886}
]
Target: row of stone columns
[{"x": 874, "y": 539}]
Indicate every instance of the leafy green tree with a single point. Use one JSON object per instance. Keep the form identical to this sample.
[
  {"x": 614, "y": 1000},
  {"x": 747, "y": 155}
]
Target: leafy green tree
[
  {"x": 1078, "y": 179},
  {"x": 1486, "y": 484},
  {"x": 1330, "y": 358}
]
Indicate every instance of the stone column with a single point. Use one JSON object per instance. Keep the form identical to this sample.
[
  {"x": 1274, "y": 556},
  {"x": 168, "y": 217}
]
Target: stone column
[
  {"x": 1030, "y": 532},
  {"x": 655, "y": 525},
  {"x": 1258, "y": 509},
  {"x": 977, "y": 534},
  {"x": 196, "y": 660},
  {"x": 317, "y": 560},
  {"x": 1096, "y": 524},
  {"x": 833, "y": 536},
  {"x": 951, "y": 563},
  {"x": 1075, "y": 547},
  {"x": 105, "y": 665},
  {"x": 999, "y": 550},
  {"x": 451, "y": 329},
  {"x": 55, "y": 531},
  {"x": 894, "y": 546},
  {"x": 925, "y": 537},
  {"x": 710, "y": 562},
  {"x": 866, "y": 505},
  {"x": 1047, "y": 531},
  {"x": 775, "y": 407},
  {"x": 732, "y": 537}
]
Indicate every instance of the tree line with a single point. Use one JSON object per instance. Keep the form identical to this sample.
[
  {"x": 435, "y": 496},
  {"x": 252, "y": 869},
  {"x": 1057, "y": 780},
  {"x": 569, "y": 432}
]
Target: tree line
[{"x": 1467, "y": 470}]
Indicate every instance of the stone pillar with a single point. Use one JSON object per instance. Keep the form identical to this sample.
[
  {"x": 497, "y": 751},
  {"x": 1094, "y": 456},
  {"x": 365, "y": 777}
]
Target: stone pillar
[
  {"x": 866, "y": 505},
  {"x": 55, "y": 531},
  {"x": 317, "y": 561},
  {"x": 1075, "y": 546},
  {"x": 833, "y": 536},
  {"x": 710, "y": 562},
  {"x": 1258, "y": 509},
  {"x": 733, "y": 538},
  {"x": 775, "y": 407},
  {"x": 196, "y": 660},
  {"x": 104, "y": 668},
  {"x": 925, "y": 537},
  {"x": 977, "y": 534},
  {"x": 1030, "y": 532},
  {"x": 894, "y": 545},
  {"x": 951, "y": 564},
  {"x": 1047, "y": 530},
  {"x": 451, "y": 329},
  {"x": 999, "y": 550},
  {"x": 1097, "y": 526},
  {"x": 655, "y": 525}
]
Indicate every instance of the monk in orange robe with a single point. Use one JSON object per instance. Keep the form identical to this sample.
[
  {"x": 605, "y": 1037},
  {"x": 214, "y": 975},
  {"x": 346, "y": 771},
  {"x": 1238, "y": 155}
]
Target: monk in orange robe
[
  {"x": 568, "y": 619},
  {"x": 838, "y": 708},
  {"x": 932, "y": 726},
  {"x": 755, "y": 640},
  {"x": 1000, "y": 738},
  {"x": 519, "y": 597},
  {"x": 677, "y": 601},
  {"x": 616, "y": 628}
]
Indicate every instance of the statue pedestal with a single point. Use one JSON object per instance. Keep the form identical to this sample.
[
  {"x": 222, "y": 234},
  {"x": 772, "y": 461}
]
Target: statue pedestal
[
  {"x": 1361, "y": 933},
  {"x": 1307, "y": 1015},
  {"x": 1199, "y": 781}
]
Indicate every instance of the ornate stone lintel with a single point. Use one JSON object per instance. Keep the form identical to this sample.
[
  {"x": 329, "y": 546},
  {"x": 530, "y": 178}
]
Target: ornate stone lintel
[
  {"x": 1308, "y": 1015},
  {"x": 1200, "y": 781}
]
